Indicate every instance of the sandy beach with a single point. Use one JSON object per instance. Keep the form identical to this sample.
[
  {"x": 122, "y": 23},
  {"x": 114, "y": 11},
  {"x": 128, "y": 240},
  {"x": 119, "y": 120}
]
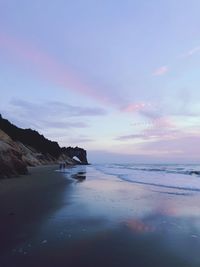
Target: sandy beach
[{"x": 49, "y": 218}]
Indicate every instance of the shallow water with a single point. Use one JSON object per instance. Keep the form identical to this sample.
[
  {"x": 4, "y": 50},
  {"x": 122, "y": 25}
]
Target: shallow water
[
  {"x": 109, "y": 219},
  {"x": 186, "y": 177}
]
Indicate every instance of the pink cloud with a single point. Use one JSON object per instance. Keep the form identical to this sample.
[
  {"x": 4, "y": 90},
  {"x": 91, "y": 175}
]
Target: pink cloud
[
  {"x": 152, "y": 133},
  {"x": 136, "y": 107},
  {"x": 160, "y": 128},
  {"x": 47, "y": 67},
  {"x": 164, "y": 122},
  {"x": 50, "y": 69},
  {"x": 156, "y": 123},
  {"x": 184, "y": 145},
  {"x": 161, "y": 71}
]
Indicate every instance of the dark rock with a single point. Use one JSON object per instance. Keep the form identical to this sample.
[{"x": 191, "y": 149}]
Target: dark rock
[
  {"x": 78, "y": 152},
  {"x": 41, "y": 144},
  {"x": 11, "y": 163},
  {"x": 30, "y": 138},
  {"x": 20, "y": 148}
]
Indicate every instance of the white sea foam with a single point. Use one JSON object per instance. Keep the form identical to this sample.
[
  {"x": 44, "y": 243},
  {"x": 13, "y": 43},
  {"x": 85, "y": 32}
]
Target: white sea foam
[{"x": 185, "y": 177}]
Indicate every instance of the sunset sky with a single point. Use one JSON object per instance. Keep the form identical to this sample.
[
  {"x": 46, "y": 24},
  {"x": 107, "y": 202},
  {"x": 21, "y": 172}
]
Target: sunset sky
[{"x": 115, "y": 77}]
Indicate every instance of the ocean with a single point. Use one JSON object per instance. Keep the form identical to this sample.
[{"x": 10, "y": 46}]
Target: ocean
[{"x": 173, "y": 176}]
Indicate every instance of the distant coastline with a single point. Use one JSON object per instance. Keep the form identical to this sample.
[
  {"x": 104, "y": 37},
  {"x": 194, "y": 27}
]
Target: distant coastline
[{"x": 21, "y": 148}]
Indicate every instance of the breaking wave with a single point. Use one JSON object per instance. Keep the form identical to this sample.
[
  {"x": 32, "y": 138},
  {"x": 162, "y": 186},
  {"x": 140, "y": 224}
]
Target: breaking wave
[{"x": 184, "y": 177}]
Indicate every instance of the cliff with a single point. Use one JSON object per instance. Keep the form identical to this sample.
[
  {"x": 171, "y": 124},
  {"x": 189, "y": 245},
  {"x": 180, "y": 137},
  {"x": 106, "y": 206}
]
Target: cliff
[
  {"x": 11, "y": 162},
  {"x": 20, "y": 148}
]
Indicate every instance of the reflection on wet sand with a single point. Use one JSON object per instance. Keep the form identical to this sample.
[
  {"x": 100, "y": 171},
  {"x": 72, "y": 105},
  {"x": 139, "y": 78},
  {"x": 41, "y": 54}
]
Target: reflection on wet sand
[
  {"x": 76, "y": 172},
  {"x": 138, "y": 226},
  {"x": 80, "y": 176},
  {"x": 106, "y": 222}
]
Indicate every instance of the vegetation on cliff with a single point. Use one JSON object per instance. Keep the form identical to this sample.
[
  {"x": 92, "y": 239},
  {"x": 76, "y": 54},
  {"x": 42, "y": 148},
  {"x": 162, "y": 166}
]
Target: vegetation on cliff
[{"x": 20, "y": 148}]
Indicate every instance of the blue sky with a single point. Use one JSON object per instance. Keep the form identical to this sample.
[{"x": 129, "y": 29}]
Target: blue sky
[{"x": 116, "y": 77}]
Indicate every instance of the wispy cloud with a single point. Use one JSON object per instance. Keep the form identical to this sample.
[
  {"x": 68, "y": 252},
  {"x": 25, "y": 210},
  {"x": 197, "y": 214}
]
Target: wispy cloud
[
  {"x": 55, "y": 115},
  {"x": 183, "y": 145},
  {"x": 49, "y": 68},
  {"x": 80, "y": 139},
  {"x": 151, "y": 134},
  {"x": 136, "y": 107},
  {"x": 43, "y": 124},
  {"x": 191, "y": 52},
  {"x": 146, "y": 109},
  {"x": 152, "y": 113},
  {"x": 158, "y": 126},
  {"x": 161, "y": 71},
  {"x": 130, "y": 137},
  {"x": 57, "y": 108},
  {"x": 165, "y": 69},
  {"x": 61, "y": 124}
]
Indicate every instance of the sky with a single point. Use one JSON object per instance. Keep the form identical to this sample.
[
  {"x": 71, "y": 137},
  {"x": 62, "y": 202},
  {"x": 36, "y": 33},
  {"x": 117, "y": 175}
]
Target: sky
[{"x": 119, "y": 78}]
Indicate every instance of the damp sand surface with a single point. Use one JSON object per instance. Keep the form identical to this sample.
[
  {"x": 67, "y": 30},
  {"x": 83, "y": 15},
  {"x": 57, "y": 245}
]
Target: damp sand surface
[{"x": 84, "y": 217}]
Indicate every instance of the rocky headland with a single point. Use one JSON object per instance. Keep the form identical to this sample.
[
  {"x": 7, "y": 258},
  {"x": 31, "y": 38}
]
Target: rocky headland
[{"x": 20, "y": 148}]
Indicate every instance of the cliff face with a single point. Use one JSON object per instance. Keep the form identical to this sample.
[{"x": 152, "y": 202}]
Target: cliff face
[
  {"x": 20, "y": 148},
  {"x": 78, "y": 152},
  {"x": 30, "y": 138},
  {"x": 11, "y": 161}
]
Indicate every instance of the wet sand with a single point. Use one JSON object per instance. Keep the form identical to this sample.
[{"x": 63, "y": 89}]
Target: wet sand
[{"x": 51, "y": 219}]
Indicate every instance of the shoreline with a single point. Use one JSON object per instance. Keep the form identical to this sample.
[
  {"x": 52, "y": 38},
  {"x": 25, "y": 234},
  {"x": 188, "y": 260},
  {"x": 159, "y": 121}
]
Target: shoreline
[{"x": 50, "y": 219}]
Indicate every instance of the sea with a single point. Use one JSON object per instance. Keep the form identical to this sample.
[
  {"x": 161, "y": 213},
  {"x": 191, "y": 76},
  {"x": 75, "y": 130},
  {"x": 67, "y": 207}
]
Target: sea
[
  {"x": 174, "y": 176},
  {"x": 185, "y": 177}
]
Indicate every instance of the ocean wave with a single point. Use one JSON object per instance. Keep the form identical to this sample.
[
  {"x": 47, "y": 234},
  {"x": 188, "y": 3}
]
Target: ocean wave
[
  {"x": 184, "y": 177},
  {"x": 187, "y": 169}
]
